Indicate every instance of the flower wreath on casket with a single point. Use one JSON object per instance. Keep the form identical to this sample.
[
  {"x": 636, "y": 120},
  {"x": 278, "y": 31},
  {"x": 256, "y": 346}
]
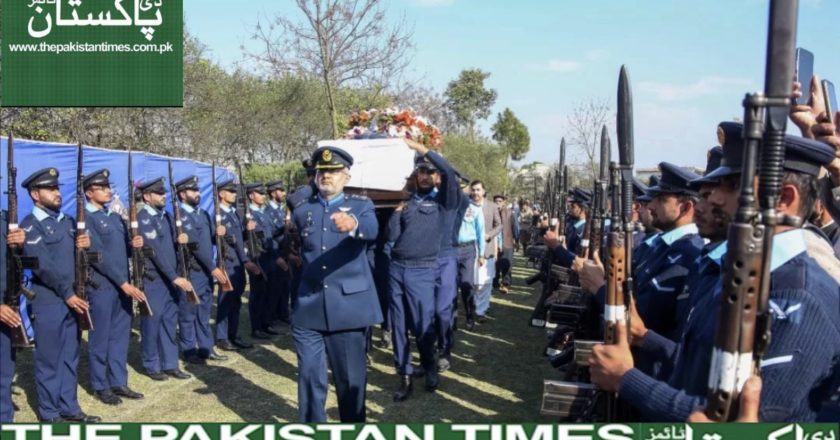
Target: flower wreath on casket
[{"x": 393, "y": 123}]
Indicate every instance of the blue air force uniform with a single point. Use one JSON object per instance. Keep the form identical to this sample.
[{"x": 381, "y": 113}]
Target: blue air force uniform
[
  {"x": 159, "y": 346},
  {"x": 259, "y": 299},
  {"x": 804, "y": 298},
  {"x": 110, "y": 308},
  {"x": 229, "y": 303},
  {"x": 336, "y": 301},
  {"x": 574, "y": 229},
  {"x": 278, "y": 303},
  {"x": 50, "y": 236},
  {"x": 7, "y": 353},
  {"x": 414, "y": 266},
  {"x": 195, "y": 336}
]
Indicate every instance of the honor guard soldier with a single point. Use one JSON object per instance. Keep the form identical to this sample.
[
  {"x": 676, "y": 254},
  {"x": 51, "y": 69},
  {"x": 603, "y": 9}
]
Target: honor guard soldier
[
  {"x": 642, "y": 245},
  {"x": 292, "y": 249},
  {"x": 579, "y": 204},
  {"x": 336, "y": 301},
  {"x": 278, "y": 304},
  {"x": 195, "y": 336},
  {"x": 49, "y": 237},
  {"x": 260, "y": 283},
  {"x": 660, "y": 279},
  {"x": 111, "y": 293},
  {"x": 159, "y": 346},
  {"x": 415, "y": 230},
  {"x": 9, "y": 319},
  {"x": 804, "y": 291},
  {"x": 229, "y": 303}
]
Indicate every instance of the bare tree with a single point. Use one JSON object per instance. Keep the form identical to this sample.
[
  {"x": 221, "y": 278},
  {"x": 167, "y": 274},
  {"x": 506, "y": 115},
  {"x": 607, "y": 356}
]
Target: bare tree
[
  {"x": 585, "y": 123},
  {"x": 341, "y": 42}
]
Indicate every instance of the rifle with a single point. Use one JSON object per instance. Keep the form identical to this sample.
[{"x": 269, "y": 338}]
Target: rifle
[
  {"x": 743, "y": 330},
  {"x": 16, "y": 261},
  {"x": 221, "y": 244},
  {"x": 84, "y": 258},
  {"x": 138, "y": 256},
  {"x": 252, "y": 239},
  {"x": 183, "y": 254},
  {"x": 564, "y": 200},
  {"x": 599, "y": 205}
]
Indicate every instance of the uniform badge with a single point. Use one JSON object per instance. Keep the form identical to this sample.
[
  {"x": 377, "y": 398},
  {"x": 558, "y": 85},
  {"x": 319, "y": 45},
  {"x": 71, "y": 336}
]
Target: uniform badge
[
  {"x": 105, "y": 173},
  {"x": 151, "y": 235},
  {"x": 309, "y": 221},
  {"x": 52, "y": 172},
  {"x": 345, "y": 208},
  {"x": 326, "y": 156},
  {"x": 36, "y": 241}
]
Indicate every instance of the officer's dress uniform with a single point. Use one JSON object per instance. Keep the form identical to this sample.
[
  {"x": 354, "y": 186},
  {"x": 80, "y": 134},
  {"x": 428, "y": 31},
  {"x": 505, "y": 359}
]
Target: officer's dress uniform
[
  {"x": 7, "y": 353},
  {"x": 229, "y": 303},
  {"x": 278, "y": 299},
  {"x": 50, "y": 236},
  {"x": 804, "y": 297},
  {"x": 110, "y": 308},
  {"x": 258, "y": 301},
  {"x": 336, "y": 300},
  {"x": 195, "y": 336},
  {"x": 159, "y": 345}
]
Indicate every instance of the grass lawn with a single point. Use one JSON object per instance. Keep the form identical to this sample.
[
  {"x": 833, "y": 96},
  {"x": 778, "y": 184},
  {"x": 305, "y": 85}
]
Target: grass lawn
[{"x": 497, "y": 373}]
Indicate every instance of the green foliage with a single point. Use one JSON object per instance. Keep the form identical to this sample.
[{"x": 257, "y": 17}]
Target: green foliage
[
  {"x": 468, "y": 100},
  {"x": 512, "y": 134},
  {"x": 291, "y": 173},
  {"x": 478, "y": 159}
]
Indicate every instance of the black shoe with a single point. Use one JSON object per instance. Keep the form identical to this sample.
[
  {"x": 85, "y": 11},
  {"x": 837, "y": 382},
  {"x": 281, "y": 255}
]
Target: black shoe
[
  {"x": 127, "y": 392},
  {"x": 213, "y": 356},
  {"x": 239, "y": 343},
  {"x": 418, "y": 372},
  {"x": 226, "y": 345},
  {"x": 432, "y": 380},
  {"x": 271, "y": 331},
  {"x": 107, "y": 397},
  {"x": 177, "y": 374},
  {"x": 195, "y": 360},
  {"x": 52, "y": 420},
  {"x": 405, "y": 389},
  {"x": 481, "y": 319},
  {"x": 159, "y": 376},
  {"x": 259, "y": 334},
  {"x": 385, "y": 340},
  {"x": 82, "y": 418},
  {"x": 443, "y": 364},
  {"x": 470, "y": 324}
]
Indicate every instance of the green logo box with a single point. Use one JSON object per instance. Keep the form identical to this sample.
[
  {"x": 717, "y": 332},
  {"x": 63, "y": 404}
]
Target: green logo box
[{"x": 92, "y": 53}]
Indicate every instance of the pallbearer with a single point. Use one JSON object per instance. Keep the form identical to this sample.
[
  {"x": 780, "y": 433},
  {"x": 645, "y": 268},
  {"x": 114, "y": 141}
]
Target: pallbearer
[
  {"x": 110, "y": 293},
  {"x": 160, "y": 350},
  {"x": 49, "y": 237}
]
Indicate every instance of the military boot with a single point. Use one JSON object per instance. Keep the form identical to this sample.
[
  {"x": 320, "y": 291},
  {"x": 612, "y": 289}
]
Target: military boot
[{"x": 405, "y": 389}]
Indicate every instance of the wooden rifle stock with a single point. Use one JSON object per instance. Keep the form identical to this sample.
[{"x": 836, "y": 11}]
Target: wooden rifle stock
[
  {"x": 138, "y": 258},
  {"x": 16, "y": 263},
  {"x": 182, "y": 250},
  {"x": 83, "y": 258},
  {"x": 221, "y": 244}
]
